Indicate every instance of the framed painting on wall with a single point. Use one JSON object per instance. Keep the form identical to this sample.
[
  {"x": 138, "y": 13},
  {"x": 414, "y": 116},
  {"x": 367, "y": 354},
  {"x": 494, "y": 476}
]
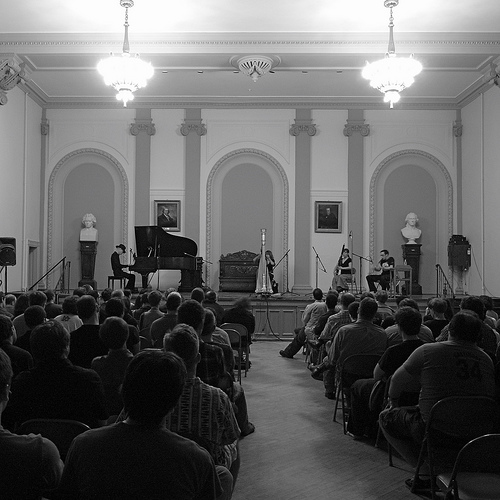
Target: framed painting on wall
[
  {"x": 168, "y": 214},
  {"x": 328, "y": 216}
]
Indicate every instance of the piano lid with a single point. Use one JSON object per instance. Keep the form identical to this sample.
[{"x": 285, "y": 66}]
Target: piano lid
[{"x": 153, "y": 241}]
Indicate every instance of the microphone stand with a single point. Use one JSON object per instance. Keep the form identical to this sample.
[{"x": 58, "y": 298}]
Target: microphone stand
[
  {"x": 361, "y": 259},
  {"x": 318, "y": 261},
  {"x": 285, "y": 256}
]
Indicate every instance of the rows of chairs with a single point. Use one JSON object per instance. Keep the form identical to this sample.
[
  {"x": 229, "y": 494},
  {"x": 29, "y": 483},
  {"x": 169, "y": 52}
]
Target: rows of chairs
[
  {"x": 461, "y": 446},
  {"x": 238, "y": 336}
]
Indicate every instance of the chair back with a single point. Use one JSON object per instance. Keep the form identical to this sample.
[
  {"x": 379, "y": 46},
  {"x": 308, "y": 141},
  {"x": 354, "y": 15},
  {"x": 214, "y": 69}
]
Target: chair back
[
  {"x": 452, "y": 422},
  {"x": 464, "y": 417},
  {"x": 241, "y": 329},
  {"x": 145, "y": 342},
  {"x": 235, "y": 339},
  {"x": 360, "y": 364},
  {"x": 476, "y": 473},
  {"x": 61, "y": 432}
]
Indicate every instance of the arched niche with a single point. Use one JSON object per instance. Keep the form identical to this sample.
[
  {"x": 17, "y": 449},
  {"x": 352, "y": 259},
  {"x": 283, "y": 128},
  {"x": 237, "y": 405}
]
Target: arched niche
[
  {"x": 412, "y": 181},
  {"x": 93, "y": 160},
  {"x": 250, "y": 158}
]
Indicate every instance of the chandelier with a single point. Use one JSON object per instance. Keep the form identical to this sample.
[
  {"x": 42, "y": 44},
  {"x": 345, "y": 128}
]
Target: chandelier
[
  {"x": 392, "y": 74},
  {"x": 125, "y": 73}
]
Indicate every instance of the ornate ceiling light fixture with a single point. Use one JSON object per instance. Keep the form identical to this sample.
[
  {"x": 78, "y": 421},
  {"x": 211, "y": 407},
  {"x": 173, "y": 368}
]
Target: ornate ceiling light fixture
[
  {"x": 255, "y": 66},
  {"x": 125, "y": 73},
  {"x": 392, "y": 74}
]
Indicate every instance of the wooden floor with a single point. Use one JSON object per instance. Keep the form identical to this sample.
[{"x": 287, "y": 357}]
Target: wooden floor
[{"x": 297, "y": 452}]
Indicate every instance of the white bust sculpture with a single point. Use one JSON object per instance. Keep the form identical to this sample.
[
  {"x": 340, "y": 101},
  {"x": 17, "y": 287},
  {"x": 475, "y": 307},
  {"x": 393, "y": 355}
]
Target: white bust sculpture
[
  {"x": 89, "y": 232},
  {"x": 411, "y": 231}
]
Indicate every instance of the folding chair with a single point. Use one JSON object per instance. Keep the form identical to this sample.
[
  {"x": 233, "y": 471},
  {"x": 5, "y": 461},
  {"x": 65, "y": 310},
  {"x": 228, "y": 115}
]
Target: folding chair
[
  {"x": 476, "y": 473},
  {"x": 145, "y": 342},
  {"x": 245, "y": 341},
  {"x": 354, "y": 367},
  {"x": 60, "y": 432},
  {"x": 235, "y": 339},
  {"x": 452, "y": 423}
]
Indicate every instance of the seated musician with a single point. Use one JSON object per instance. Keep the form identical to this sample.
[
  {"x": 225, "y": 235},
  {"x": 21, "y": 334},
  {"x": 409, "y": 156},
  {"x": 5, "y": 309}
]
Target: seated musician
[
  {"x": 117, "y": 267},
  {"x": 342, "y": 270},
  {"x": 381, "y": 272}
]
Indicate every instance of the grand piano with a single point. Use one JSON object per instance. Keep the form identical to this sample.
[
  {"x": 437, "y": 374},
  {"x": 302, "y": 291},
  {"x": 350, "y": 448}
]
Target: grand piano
[{"x": 157, "y": 249}]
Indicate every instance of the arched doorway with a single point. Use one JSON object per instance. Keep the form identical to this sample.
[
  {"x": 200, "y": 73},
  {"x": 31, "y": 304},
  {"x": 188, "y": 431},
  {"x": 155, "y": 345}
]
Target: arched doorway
[
  {"x": 235, "y": 180},
  {"x": 86, "y": 180},
  {"x": 412, "y": 181}
]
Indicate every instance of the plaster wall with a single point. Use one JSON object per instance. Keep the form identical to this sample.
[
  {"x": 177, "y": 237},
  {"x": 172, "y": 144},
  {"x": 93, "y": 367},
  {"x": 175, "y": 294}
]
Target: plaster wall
[
  {"x": 262, "y": 140},
  {"x": 20, "y": 184},
  {"x": 422, "y": 144},
  {"x": 329, "y": 165},
  {"x": 481, "y": 178},
  {"x": 98, "y": 142}
]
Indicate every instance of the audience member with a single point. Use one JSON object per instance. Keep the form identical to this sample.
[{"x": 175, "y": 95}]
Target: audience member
[
  {"x": 69, "y": 317},
  {"x": 79, "y": 292},
  {"x": 437, "y": 309},
  {"x": 20, "y": 358},
  {"x": 33, "y": 316},
  {"x": 310, "y": 318},
  {"x": 105, "y": 296},
  {"x": 487, "y": 339},
  {"x": 55, "y": 388},
  {"x": 360, "y": 337},
  {"x": 85, "y": 343},
  {"x": 323, "y": 371},
  {"x": 198, "y": 294},
  {"x": 491, "y": 316},
  {"x": 153, "y": 314},
  {"x": 10, "y": 304},
  {"x": 144, "y": 306},
  {"x": 140, "y": 458},
  {"x": 210, "y": 302},
  {"x": 211, "y": 367},
  {"x": 241, "y": 313},
  {"x": 165, "y": 324},
  {"x": 361, "y": 418},
  {"x": 3, "y": 310},
  {"x": 51, "y": 308},
  {"x": 20, "y": 305},
  {"x": 207, "y": 337},
  {"x": 35, "y": 298},
  {"x": 29, "y": 463},
  {"x": 203, "y": 411},
  {"x": 115, "y": 307},
  {"x": 383, "y": 309},
  {"x": 392, "y": 332},
  {"x": 111, "y": 368},
  {"x": 436, "y": 367}
]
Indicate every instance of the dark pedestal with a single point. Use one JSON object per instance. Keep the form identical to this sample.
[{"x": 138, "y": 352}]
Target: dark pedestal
[
  {"x": 88, "y": 251},
  {"x": 411, "y": 255}
]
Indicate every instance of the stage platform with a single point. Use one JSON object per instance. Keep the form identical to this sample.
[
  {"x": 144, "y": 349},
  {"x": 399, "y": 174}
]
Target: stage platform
[{"x": 278, "y": 315}]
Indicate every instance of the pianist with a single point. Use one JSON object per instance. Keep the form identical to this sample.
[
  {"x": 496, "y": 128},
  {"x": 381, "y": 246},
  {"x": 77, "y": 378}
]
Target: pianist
[{"x": 118, "y": 267}]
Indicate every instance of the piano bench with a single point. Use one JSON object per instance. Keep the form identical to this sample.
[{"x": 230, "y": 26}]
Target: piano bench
[{"x": 112, "y": 279}]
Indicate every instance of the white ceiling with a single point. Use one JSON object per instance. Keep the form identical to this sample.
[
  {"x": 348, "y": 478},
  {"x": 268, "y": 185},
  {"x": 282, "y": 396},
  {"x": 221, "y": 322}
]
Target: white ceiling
[{"x": 322, "y": 47}]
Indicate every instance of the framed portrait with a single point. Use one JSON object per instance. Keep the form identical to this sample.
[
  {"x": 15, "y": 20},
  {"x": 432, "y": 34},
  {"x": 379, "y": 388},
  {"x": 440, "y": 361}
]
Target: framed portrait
[
  {"x": 328, "y": 216},
  {"x": 167, "y": 214}
]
